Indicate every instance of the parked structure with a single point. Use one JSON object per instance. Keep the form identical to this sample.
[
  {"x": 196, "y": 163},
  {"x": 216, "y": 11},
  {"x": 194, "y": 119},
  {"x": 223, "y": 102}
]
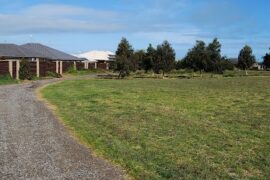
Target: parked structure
[
  {"x": 42, "y": 59},
  {"x": 255, "y": 66},
  {"x": 98, "y": 59},
  {"x": 258, "y": 66}
]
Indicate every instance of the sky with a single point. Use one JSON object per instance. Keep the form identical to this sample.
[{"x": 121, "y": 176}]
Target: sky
[{"x": 77, "y": 26}]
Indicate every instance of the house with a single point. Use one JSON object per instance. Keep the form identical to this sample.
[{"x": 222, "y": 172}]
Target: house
[
  {"x": 42, "y": 59},
  {"x": 98, "y": 59}
]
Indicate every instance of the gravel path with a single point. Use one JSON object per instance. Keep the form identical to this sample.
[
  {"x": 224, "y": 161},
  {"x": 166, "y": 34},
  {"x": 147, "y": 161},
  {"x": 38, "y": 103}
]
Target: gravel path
[{"x": 34, "y": 145}]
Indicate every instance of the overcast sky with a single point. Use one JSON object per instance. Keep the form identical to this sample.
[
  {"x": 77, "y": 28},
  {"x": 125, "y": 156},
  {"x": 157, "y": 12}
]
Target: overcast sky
[{"x": 79, "y": 26}]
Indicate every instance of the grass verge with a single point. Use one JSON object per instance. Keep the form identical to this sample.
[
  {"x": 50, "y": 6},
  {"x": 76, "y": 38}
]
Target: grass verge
[{"x": 6, "y": 79}]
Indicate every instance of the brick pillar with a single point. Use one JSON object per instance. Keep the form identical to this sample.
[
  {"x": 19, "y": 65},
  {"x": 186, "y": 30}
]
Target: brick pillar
[
  {"x": 10, "y": 68},
  {"x": 57, "y": 66},
  {"x": 37, "y": 66},
  {"x": 75, "y": 66},
  {"x": 17, "y": 69},
  {"x": 61, "y": 67},
  {"x": 85, "y": 65}
]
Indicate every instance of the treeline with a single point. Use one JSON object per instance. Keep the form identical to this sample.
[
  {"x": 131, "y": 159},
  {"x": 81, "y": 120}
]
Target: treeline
[
  {"x": 266, "y": 60},
  {"x": 161, "y": 59}
]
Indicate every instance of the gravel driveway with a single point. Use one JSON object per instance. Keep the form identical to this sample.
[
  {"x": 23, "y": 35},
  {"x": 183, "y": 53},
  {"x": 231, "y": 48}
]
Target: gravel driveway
[{"x": 33, "y": 145}]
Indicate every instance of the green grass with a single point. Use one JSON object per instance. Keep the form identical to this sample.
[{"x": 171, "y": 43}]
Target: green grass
[
  {"x": 175, "y": 128},
  {"x": 84, "y": 72},
  {"x": 189, "y": 74},
  {"x": 6, "y": 79},
  {"x": 238, "y": 73}
]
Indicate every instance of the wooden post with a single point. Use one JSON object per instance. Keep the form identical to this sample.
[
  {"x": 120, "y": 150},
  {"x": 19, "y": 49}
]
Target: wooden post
[
  {"x": 61, "y": 67},
  {"x": 17, "y": 69},
  {"x": 37, "y": 66},
  {"x": 75, "y": 67},
  {"x": 10, "y": 68},
  {"x": 95, "y": 65},
  {"x": 107, "y": 66},
  {"x": 57, "y": 66}
]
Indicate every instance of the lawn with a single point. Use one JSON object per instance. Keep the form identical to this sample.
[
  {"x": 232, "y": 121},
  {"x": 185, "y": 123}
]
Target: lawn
[
  {"x": 173, "y": 128},
  {"x": 6, "y": 79}
]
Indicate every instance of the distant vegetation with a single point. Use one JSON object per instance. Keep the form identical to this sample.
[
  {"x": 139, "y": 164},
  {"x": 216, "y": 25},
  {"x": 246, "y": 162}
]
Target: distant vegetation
[{"x": 161, "y": 60}]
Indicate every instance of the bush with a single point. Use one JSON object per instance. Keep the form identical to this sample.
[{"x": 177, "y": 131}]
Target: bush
[
  {"x": 53, "y": 74},
  {"x": 6, "y": 79},
  {"x": 25, "y": 71},
  {"x": 71, "y": 69}
]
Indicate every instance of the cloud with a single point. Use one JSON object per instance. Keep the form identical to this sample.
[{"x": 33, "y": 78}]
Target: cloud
[
  {"x": 217, "y": 14},
  {"x": 54, "y": 10},
  {"x": 59, "y": 18},
  {"x": 183, "y": 36}
]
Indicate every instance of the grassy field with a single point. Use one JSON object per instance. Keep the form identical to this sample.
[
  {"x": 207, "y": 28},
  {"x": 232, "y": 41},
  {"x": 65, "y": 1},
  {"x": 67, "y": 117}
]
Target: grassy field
[
  {"x": 5, "y": 79},
  {"x": 188, "y": 74},
  {"x": 172, "y": 128}
]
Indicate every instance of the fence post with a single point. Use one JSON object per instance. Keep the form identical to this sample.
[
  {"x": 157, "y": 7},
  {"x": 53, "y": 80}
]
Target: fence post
[{"x": 95, "y": 65}]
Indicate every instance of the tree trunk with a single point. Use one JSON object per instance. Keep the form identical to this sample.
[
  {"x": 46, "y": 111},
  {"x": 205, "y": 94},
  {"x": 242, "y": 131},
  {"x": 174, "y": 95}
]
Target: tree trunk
[
  {"x": 163, "y": 74},
  {"x": 119, "y": 75},
  {"x": 246, "y": 72}
]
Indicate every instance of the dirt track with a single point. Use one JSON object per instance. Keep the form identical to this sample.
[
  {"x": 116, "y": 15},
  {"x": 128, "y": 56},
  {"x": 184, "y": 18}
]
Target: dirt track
[{"x": 33, "y": 144}]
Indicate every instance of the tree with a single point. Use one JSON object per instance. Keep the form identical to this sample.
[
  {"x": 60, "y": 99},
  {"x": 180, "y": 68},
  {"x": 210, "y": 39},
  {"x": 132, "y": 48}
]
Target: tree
[
  {"x": 137, "y": 60},
  {"x": 180, "y": 65},
  {"x": 123, "y": 53},
  {"x": 149, "y": 58},
  {"x": 246, "y": 59},
  {"x": 196, "y": 57},
  {"x": 157, "y": 62},
  {"x": 226, "y": 64},
  {"x": 266, "y": 60},
  {"x": 214, "y": 56},
  {"x": 165, "y": 59}
]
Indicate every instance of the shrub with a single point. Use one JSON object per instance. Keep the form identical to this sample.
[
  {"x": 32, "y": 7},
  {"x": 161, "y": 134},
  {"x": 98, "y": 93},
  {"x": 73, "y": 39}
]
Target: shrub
[
  {"x": 25, "y": 71},
  {"x": 53, "y": 74},
  {"x": 71, "y": 69}
]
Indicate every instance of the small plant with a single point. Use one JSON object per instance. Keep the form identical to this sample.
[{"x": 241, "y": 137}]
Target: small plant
[
  {"x": 6, "y": 79},
  {"x": 53, "y": 74},
  {"x": 71, "y": 69},
  {"x": 25, "y": 71}
]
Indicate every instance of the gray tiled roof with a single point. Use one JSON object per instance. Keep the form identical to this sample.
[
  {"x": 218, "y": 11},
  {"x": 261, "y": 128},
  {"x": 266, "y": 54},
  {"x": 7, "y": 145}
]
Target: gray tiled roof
[
  {"x": 48, "y": 52},
  {"x": 33, "y": 50},
  {"x": 11, "y": 50}
]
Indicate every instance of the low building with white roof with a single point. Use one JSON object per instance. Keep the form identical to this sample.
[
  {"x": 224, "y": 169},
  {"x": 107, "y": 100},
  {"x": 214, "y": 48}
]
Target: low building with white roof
[{"x": 98, "y": 59}]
